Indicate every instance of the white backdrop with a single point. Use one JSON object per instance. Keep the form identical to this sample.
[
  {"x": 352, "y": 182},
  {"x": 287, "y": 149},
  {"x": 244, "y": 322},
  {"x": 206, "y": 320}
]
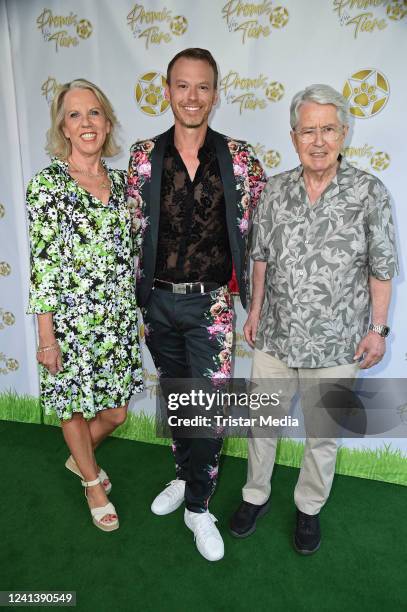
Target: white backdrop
[{"x": 266, "y": 52}]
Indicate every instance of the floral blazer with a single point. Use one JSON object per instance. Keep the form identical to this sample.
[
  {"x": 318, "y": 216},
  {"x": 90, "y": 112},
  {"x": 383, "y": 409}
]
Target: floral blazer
[{"x": 243, "y": 181}]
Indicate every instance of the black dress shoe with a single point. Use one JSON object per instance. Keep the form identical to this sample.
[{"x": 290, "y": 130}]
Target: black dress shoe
[
  {"x": 243, "y": 522},
  {"x": 307, "y": 536}
]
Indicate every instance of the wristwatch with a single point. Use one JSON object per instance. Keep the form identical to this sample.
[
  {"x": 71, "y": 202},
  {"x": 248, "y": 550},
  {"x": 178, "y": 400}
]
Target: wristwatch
[{"x": 382, "y": 330}]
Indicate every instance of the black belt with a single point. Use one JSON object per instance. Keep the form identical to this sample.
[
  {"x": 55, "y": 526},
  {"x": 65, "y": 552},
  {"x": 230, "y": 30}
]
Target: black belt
[{"x": 185, "y": 288}]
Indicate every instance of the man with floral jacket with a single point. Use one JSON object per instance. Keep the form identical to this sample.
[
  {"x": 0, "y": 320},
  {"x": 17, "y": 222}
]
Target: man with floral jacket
[{"x": 192, "y": 192}]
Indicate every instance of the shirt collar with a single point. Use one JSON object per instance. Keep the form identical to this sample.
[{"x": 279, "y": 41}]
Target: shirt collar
[
  {"x": 343, "y": 179},
  {"x": 207, "y": 147},
  {"x": 63, "y": 164}
]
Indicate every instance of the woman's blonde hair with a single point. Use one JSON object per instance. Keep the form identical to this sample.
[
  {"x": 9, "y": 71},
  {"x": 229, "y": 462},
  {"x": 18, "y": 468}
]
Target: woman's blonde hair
[{"x": 57, "y": 143}]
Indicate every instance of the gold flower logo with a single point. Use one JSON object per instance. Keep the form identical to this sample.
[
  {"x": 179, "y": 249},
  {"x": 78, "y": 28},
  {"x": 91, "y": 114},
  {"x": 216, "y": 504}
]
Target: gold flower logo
[
  {"x": 380, "y": 161},
  {"x": 279, "y": 17},
  {"x": 149, "y": 93},
  {"x": 179, "y": 25},
  {"x": 2, "y": 211},
  {"x": 275, "y": 91},
  {"x": 12, "y": 364},
  {"x": 272, "y": 158},
  {"x": 396, "y": 10},
  {"x": 7, "y": 318},
  {"x": 84, "y": 28},
  {"x": 367, "y": 92},
  {"x": 5, "y": 268}
]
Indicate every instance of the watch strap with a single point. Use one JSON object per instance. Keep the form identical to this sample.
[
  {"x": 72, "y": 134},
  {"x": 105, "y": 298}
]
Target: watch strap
[{"x": 382, "y": 330}]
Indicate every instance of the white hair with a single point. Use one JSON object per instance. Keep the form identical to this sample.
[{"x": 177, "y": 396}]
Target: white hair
[{"x": 321, "y": 94}]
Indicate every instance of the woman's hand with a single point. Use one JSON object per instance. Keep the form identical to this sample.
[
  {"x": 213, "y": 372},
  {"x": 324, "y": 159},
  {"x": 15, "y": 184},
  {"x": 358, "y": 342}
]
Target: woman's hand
[
  {"x": 49, "y": 352},
  {"x": 50, "y": 357}
]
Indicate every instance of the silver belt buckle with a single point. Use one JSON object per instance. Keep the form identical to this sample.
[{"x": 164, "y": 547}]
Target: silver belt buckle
[{"x": 179, "y": 288}]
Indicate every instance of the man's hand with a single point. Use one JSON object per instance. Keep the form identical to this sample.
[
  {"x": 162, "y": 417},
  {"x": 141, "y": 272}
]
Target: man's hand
[
  {"x": 373, "y": 347},
  {"x": 250, "y": 327}
]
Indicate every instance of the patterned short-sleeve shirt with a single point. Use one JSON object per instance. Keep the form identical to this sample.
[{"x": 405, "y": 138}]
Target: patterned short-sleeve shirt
[{"x": 319, "y": 259}]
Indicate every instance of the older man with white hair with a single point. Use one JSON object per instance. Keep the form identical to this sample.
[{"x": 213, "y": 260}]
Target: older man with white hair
[{"x": 324, "y": 256}]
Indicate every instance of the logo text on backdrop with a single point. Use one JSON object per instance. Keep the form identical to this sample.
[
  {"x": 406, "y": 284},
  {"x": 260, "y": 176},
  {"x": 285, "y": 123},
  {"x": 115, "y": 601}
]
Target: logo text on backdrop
[
  {"x": 64, "y": 31},
  {"x": 250, "y": 93},
  {"x": 369, "y": 16},
  {"x": 254, "y": 20},
  {"x": 155, "y": 27}
]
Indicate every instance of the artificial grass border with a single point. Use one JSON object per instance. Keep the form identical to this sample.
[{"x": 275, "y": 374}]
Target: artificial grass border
[{"x": 383, "y": 463}]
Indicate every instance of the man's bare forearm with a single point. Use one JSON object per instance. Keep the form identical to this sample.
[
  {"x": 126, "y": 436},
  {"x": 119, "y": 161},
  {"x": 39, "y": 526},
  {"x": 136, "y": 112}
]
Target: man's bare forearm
[
  {"x": 380, "y": 295},
  {"x": 259, "y": 273}
]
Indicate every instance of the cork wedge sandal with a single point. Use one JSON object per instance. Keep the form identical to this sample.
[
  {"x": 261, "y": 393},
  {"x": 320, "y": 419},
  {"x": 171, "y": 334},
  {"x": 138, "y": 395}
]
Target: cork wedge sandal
[
  {"x": 72, "y": 466},
  {"x": 99, "y": 513}
]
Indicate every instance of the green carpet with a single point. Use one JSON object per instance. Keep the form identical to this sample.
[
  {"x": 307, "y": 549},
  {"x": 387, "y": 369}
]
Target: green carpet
[
  {"x": 386, "y": 462},
  {"x": 49, "y": 543}
]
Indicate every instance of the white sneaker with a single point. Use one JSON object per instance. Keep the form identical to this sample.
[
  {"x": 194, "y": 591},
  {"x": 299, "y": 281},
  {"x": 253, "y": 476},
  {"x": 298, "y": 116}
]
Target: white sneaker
[
  {"x": 207, "y": 537},
  {"x": 170, "y": 499}
]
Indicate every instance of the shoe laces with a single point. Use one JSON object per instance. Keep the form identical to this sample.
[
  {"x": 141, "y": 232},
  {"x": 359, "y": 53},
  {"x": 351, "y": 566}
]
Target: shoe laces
[
  {"x": 307, "y": 524},
  {"x": 205, "y": 526},
  {"x": 174, "y": 488}
]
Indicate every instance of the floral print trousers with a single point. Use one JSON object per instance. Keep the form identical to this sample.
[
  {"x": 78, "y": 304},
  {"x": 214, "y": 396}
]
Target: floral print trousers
[{"x": 190, "y": 336}]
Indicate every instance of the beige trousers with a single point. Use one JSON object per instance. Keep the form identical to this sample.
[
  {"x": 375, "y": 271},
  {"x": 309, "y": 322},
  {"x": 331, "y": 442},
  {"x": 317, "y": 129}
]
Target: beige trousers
[{"x": 318, "y": 465}]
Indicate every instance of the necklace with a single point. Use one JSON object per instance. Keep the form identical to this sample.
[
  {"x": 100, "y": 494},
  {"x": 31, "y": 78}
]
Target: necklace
[{"x": 104, "y": 184}]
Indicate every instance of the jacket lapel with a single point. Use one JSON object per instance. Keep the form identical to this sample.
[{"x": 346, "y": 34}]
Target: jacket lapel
[
  {"x": 237, "y": 245},
  {"x": 153, "y": 198}
]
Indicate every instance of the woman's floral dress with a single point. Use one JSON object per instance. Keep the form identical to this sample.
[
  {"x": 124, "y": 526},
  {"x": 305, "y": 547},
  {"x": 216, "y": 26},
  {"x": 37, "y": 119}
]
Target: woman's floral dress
[{"x": 82, "y": 272}]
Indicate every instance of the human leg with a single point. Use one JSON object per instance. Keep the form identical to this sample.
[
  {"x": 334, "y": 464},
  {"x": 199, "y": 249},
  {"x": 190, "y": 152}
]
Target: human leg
[
  {"x": 262, "y": 450},
  {"x": 208, "y": 332},
  {"x": 318, "y": 464},
  {"x": 167, "y": 347},
  {"x": 104, "y": 423},
  {"x": 78, "y": 439}
]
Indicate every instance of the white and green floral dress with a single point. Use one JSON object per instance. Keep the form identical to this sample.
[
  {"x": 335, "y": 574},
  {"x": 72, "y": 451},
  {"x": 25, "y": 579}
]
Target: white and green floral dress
[{"x": 82, "y": 271}]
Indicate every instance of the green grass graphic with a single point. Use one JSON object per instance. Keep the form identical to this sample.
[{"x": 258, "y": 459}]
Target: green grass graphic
[
  {"x": 384, "y": 463},
  {"x": 15, "y": 407}
]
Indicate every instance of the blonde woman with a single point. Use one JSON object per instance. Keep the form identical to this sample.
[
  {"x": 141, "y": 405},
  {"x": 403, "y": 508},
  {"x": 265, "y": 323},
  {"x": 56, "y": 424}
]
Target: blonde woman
[{"x": 82, "y": 285}]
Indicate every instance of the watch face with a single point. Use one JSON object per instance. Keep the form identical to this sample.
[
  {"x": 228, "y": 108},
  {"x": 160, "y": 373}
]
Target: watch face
[
  {"x": 385, "y": 331},
  {"x": 382, "y": 330}
]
